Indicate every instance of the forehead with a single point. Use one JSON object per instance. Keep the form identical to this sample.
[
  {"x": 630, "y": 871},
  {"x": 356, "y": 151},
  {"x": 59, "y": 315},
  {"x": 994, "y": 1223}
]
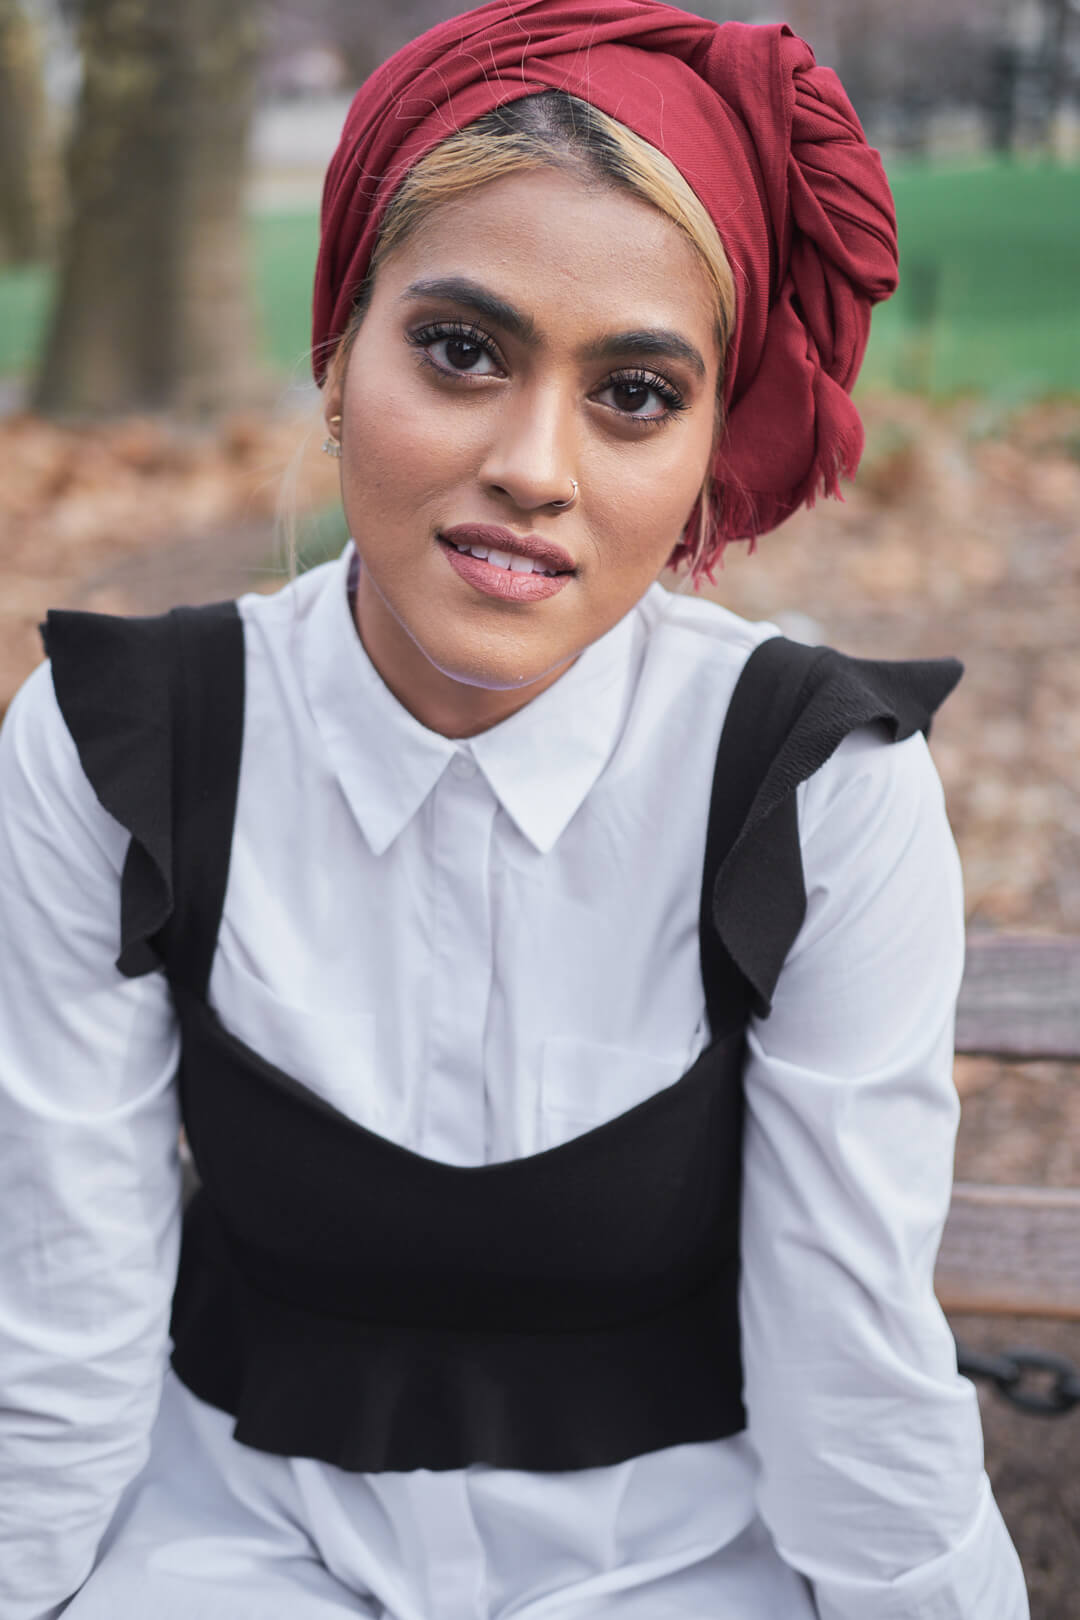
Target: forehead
[{"x": 566, "y": 251}]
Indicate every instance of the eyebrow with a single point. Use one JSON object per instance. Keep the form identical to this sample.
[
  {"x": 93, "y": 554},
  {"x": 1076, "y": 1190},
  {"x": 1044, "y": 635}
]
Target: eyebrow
[
  {"x": 644, "y": 343},
  {"x": 471, "y": 295},
  {"x": 459, "y": 290}
]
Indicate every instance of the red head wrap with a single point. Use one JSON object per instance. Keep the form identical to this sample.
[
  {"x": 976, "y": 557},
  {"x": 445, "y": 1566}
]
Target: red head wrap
[{"x": 767, "y": 139}]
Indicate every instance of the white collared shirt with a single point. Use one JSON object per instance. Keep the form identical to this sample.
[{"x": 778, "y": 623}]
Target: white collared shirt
[{"x": 480, "y": 949}]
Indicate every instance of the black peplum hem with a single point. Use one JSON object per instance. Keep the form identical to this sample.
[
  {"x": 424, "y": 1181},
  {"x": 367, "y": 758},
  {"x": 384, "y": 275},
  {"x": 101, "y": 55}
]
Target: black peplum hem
[{"x": 544, "y": 1401}]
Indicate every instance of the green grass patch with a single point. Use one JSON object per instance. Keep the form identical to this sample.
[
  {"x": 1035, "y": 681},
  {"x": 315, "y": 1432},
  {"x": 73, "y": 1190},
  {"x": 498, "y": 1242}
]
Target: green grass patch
[
  {"x": 989, "y": 266},
  {"x": 24, "y": 295},
  {"x": 284, "y": 247},
  {"x": 990, "y": 263}
]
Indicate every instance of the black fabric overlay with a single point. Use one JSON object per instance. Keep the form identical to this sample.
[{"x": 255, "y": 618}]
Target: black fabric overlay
[
  {"x": 791, "y": 708},
  {"x": 112, "y": 682},
  {"x": 348, "y": 1299},
  {"x": 118, "y": 682},
  {"x": 207, "y": 743}
]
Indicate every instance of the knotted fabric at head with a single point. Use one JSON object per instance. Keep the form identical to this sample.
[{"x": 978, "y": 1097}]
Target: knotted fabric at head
[{"x": 767, "y": 139}]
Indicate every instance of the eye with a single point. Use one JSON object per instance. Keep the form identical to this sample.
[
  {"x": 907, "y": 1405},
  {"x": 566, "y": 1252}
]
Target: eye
[
  {"x": 456, "y": 349},
  {"x": 643, "y": 396}
]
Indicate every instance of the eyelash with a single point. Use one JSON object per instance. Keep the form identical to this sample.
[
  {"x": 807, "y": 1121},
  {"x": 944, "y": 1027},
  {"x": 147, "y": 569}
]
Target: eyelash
[{"x": 439, "y": 331}]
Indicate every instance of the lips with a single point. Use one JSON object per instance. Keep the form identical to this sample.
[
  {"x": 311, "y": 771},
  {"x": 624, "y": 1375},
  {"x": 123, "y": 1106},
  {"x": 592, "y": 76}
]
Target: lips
[
  {"x": 545, "y": 554},
  {"x": 501, "y": 583}
]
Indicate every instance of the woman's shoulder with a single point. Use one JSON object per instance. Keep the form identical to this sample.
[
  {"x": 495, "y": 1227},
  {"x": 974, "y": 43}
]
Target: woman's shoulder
[
  {"x": 816, "y": 696},
  {"x": 279, "y": 609},
  {"x": 35, "y": 743},
  {"x": 846, "y": 734},
  {"x": 43, "y": 784},
  {"x": 692, "y": 654},
  {"x": 703, "y": 631}
]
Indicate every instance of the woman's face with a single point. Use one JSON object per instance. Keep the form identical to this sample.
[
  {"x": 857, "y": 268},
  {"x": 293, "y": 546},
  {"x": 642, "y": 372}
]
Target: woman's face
[{"x": 533, "y": 332}]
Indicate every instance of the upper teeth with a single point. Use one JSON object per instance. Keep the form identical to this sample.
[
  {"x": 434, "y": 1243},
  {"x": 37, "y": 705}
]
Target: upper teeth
[{"x": 506, "y": 559}]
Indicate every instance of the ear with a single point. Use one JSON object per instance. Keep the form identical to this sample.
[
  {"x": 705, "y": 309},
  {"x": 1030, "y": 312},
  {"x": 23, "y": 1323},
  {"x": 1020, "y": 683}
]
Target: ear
[{"x": 333, "y": 394}]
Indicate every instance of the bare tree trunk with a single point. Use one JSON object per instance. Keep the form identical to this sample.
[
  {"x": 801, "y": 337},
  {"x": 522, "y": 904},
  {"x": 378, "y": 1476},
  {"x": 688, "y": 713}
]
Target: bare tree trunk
[
  {"x": 1003, "y": 89},
  {"x": 153, "y": 308},
  {"x": 1056, "y": 52},
  {"x": 29, "y": 170}
]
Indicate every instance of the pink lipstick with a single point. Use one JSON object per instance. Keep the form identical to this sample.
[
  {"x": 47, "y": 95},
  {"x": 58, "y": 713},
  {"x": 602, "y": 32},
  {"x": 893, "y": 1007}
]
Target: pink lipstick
[{"x": 516, "y": 568}]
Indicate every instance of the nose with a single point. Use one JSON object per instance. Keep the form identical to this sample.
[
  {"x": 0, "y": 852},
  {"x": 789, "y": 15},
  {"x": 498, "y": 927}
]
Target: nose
[{"x": 532, "y": 458}]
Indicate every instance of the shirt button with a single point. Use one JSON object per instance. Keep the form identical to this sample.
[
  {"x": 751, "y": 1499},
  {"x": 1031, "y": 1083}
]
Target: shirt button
[{"x": 463, "y": 766}]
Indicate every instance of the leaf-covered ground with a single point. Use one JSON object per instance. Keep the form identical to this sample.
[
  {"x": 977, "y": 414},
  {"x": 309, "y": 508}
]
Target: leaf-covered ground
[{"x": 961, "y": 535}]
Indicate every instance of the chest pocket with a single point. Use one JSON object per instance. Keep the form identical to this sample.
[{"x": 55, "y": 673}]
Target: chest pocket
[
  {"x": 331, "y": 1053},
  {"x": 585, "y": 1083}
]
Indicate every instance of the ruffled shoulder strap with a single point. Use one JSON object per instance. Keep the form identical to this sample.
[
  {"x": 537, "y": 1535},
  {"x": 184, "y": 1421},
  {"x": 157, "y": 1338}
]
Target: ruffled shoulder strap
[
  {"x": 791, "y": 708},
  {"x": 155, "y": 708}
]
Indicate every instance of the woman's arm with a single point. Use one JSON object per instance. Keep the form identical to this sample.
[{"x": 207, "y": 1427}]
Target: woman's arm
[
  {"x": 871, "y": 1446},
  {"x": 89, "y": 1179}
]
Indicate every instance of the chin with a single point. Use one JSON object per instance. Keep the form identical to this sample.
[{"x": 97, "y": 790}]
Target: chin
[{"x": 492, "y": 674}]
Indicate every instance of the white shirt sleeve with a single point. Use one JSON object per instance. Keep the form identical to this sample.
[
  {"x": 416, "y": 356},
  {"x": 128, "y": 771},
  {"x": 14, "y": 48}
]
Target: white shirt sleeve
[
  {"x": 89, "y": 1176},
  {"x": 870, "y": 1444}
]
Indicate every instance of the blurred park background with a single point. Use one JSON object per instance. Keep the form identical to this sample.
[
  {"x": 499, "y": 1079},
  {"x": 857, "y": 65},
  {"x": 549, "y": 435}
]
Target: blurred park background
[{"x": 160, "y": 175}]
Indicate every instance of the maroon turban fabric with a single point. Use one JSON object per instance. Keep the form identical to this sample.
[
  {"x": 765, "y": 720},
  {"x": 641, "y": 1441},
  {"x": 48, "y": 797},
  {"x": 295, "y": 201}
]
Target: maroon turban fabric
[{"x": 767, "y": 139}]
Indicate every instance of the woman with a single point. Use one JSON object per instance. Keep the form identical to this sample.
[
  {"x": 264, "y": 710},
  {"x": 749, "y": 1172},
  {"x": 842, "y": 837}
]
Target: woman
[{"x": 518, "y": 928}]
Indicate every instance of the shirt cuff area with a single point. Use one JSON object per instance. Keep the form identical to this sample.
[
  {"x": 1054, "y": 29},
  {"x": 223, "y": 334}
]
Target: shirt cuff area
[{"x": 979, "y": 1579}]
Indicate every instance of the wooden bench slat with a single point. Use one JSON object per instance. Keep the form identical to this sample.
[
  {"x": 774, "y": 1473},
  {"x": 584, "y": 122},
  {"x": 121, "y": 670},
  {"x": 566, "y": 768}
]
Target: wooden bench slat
[
  {"x": 1020, "y": 997},
  {"x": 1011, "y": 1251}
]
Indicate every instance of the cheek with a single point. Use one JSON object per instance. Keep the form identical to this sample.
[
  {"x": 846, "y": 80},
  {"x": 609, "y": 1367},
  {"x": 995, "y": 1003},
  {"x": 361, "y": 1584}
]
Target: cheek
[
  {"x": 399, "y": 446},
  {"x": 649, "y": 496}
]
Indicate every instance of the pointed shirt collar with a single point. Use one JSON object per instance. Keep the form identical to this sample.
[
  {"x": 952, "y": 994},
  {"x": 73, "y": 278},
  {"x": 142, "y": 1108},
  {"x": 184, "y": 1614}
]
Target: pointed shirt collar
[{"x": 540, "y": 762}]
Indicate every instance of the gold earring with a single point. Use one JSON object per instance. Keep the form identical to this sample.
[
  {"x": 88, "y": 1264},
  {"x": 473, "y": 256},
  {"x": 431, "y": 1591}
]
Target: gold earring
[{"x": 331, "y": 445}]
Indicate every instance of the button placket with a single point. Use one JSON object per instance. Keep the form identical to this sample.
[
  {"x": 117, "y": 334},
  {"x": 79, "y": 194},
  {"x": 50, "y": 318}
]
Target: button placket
[
  {"x": 452, "y": 1126},
  {"x": 455, "y": 1566}
]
